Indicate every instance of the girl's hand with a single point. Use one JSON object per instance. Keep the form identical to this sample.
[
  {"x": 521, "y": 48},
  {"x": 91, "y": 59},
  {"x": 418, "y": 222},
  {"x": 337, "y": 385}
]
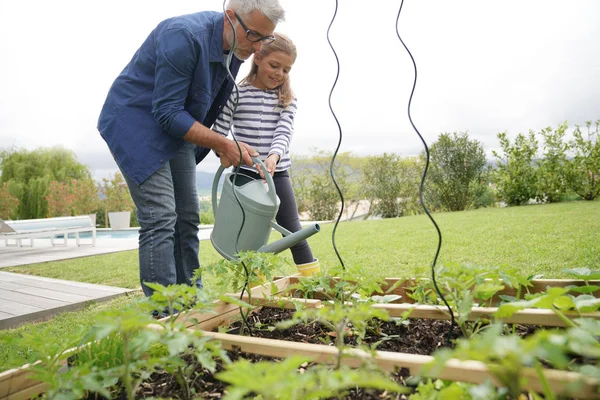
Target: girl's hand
[{"x": 271, "y": 163}]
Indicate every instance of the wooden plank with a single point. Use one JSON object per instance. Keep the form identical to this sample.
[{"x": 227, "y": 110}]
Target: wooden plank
[
  {"x": 456, "y": 370},
  {"x": 10, "y": 276},
  {"x": 34, "y": 285},
  {"x": 526, "y": 317},
  {"x": 51, "y": 294},
  {"x": 30, "y": 299},
  {"x": 5, "y": 315},
  {"x": 14, "y": 321},
  {"x": 10, "y": 286},
  {"x": 224, "y": 311},
  {"x": 283, "y": 302},
  {"x": 16, "y": 381},
  {"x": 29, "y": 393},
  {"x": 14, "y": 308},
  {"x": 538, "y": 285}
]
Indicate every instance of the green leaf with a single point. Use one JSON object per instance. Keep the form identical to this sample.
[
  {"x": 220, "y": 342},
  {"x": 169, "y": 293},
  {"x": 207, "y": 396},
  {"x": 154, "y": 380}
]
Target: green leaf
[
  {"x": 587, "y": 303},
  {"x": 584, "y": 289},
  {"x": 564, "y": 303},
  {"x": 583, "y": 273}
]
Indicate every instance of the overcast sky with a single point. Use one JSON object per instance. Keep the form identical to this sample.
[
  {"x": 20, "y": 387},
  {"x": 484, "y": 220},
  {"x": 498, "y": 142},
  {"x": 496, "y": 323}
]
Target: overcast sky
[{"x": 483, "y": 67}]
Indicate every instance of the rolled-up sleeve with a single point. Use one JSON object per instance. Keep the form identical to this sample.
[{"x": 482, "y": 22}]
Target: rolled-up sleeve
[
  {"x": 177, "y": 55},
  {"x": 282, "y": 137}
]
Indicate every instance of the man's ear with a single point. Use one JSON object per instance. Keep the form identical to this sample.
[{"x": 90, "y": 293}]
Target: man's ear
[{"x": 231, "y": 16}]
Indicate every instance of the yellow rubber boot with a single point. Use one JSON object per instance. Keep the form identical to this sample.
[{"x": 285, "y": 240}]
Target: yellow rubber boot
[{"x": 309, "y": 269}]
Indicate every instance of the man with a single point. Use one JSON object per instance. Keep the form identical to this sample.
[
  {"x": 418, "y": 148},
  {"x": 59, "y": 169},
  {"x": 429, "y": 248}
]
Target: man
[{"x": 156, "y": 121}]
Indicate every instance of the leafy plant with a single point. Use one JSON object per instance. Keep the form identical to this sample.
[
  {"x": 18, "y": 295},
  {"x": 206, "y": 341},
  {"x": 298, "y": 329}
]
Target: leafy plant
[
  {"x": 556, "y": 299},
  {"x": 506, "y": 356},
  {"x": 552, "y": 177},
  {"x": 293, "y": 379},
  {"x": 584, "y": 168},
  {"x": 457, "y": 162},
  {"x": 463, "y": 286},
  {"x": 8, "y": 203},
  {"x": 250, "y": 268},
  {"x": 29, "y": 173},
  {"x": 341, "y": 284},
  {"x": 391, "y": 184},
  {"x": 437, "y": 389},
  {"x": 515, "y": 174}
]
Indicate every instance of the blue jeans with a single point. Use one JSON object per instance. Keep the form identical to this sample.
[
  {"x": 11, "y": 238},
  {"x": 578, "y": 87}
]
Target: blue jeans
[{"x": 168, "y": 211}]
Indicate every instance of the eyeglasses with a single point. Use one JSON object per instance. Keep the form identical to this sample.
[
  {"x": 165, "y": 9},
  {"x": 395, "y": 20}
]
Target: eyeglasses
[{"x": 253, "y": 36}]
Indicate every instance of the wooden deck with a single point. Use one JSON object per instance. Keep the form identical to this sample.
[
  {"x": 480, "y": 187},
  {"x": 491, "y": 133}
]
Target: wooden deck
[{"x": 25, "y": 298}]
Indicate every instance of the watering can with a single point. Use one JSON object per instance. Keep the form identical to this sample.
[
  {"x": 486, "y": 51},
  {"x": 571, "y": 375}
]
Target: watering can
[{"x": 260, "y": 204}]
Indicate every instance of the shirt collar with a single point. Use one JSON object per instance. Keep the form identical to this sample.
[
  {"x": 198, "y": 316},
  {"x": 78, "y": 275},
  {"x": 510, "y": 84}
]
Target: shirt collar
[{"x": 216, "y": 43}]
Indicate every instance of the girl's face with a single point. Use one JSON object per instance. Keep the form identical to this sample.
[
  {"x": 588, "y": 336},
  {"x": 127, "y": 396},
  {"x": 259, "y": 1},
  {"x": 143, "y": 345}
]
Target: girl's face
[{"x": 273, "y": 70}]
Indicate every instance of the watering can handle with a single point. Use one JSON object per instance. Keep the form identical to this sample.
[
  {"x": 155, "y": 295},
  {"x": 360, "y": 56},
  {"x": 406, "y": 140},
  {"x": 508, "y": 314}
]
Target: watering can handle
[{"x": 268, "y": 177}]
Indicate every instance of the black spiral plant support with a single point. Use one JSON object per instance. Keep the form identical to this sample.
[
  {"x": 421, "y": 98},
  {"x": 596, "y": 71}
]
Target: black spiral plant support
[
  {"x": 439, "y": 246},
  {"x": 331, "y": 164}
]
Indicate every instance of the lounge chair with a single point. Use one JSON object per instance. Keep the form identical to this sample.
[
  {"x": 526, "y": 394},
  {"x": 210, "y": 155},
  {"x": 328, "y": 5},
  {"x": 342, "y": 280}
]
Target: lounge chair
[{"x": 48, "y": 228}]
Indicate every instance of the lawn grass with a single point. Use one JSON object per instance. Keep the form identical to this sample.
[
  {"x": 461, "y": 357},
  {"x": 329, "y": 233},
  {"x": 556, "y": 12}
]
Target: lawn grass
[{"x": 537, "y": 239}]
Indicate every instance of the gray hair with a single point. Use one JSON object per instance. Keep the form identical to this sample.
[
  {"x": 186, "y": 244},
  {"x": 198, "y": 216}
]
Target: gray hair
[{"x": 269, "y": 8}]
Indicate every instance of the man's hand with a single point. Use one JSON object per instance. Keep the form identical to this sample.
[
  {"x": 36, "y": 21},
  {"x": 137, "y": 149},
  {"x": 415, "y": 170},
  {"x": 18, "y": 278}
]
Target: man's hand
[{"x": 231, "y": 154}]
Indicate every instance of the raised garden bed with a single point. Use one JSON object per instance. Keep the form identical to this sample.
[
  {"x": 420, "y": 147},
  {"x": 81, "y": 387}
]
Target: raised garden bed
[{"x": 18, "y": 384}]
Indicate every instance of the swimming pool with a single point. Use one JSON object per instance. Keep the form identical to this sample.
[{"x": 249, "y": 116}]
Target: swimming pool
[
  {"x": 107, "y": 233},
  {"x": 130, "y": 233}
]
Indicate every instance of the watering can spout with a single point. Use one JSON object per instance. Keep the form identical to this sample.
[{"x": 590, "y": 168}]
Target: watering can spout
[{"x": 290, "y": 240}]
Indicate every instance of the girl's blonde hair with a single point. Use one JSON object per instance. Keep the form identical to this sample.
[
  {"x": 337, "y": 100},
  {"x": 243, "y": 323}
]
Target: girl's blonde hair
[{"x": 285, "y": 45}]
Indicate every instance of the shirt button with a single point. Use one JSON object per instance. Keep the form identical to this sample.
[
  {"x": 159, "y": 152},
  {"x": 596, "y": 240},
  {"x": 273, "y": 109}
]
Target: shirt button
[{"x": 162, "y": 161}]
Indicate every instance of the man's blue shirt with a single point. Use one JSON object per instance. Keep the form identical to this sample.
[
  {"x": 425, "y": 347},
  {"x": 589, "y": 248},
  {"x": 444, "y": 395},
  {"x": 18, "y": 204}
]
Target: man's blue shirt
[{"x": 176, "y": 77}]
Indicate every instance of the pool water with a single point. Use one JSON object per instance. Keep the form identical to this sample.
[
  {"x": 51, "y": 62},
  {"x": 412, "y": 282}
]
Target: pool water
[{"x": 110, "y": 234}]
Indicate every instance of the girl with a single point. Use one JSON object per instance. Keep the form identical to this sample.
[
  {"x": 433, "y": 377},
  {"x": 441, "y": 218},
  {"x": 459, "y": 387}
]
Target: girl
[{"x": 264, "y": 119}]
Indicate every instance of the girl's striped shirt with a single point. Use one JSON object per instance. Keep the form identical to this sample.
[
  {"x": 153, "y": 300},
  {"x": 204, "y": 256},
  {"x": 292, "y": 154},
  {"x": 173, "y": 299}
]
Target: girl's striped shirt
[{"x": 261, "y": 122}]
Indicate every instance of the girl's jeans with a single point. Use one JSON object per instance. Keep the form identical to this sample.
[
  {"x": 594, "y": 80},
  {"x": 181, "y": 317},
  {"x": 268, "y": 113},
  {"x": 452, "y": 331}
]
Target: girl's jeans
[{"x": 168, "y": 211}]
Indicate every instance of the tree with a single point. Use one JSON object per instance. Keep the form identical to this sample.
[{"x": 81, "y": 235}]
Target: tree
[
  {"x": 552, "y": 175},
  {"x": 392, "y": 184},
  {"x": 77, "y": 197},
  {"x": 29, "y": 173},
  {"x": 59, "y": 199},
  {"x": 8, "y": 203},
  {"x": 583, "y": 171},
  {"x": 116, "y": 195},
  {"x": 314, "y": 189},
  {"x": 515, "y": 174},
  {"x": 456, "y": 163}
]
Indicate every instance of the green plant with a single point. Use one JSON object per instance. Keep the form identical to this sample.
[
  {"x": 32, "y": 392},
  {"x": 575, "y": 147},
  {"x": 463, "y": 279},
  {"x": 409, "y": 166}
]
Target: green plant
[
  {"x": 340, "y": 283},
  {"x": 457, "y": 163},
  {"x": 463, "y": 286},
  {"x": 437, "y": 389},
  {"x": 507, "y": 356},
  {"x": 250, "y": 267},
  {"x": 116, "y": 194},
  {"x": 293, "y": 379},
  {"x": 515, "y": 174},
  {"x": 584, "y": 167},
  {"x": 29, "y": 173},
  {"x": 552, "y": 177},
  {"x": 556, "y": 299},
  {"x": 391, "y": 184},
  {"x": 8, "y": 203},
  {"x": 125, "y": 348}
]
